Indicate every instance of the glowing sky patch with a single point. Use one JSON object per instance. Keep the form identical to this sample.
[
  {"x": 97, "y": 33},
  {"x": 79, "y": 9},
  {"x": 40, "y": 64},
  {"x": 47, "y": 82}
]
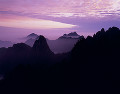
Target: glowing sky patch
[{"x": 31, "y": 23}]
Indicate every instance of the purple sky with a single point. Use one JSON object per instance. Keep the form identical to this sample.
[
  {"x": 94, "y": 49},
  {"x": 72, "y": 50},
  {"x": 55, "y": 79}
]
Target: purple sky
[{"x": 52, "y": 18}]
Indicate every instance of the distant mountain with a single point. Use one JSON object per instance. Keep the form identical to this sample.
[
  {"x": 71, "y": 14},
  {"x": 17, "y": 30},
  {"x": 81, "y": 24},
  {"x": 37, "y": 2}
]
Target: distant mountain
[
  {"x": 32, "y": 36},
  {"x": 5, "y": 44},
  {"x": 73, "y": 35},
  {"x": 63, "y": 44},
  {"x": 57, "y": 46}
]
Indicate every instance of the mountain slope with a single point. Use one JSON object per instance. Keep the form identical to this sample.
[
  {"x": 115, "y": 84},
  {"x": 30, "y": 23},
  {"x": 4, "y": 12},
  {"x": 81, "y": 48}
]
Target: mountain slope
[{"x": 40, "y": 46}]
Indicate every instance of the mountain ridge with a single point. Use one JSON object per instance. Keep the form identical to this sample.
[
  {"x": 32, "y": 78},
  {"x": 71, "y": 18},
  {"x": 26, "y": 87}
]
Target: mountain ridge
[
  {"x": 60, "y": 45},
  {"x": 72, "y": 35},
  {"x": 92, "y": 64}
]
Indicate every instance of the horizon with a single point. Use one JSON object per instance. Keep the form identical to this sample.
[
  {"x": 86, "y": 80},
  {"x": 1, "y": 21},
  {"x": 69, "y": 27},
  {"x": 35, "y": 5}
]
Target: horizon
[{"x": 52, "y": 18}]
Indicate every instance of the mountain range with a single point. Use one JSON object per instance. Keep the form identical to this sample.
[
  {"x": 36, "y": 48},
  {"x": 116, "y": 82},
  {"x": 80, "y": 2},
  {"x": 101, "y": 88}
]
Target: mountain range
[
  {"x": 21, "y": 52},
  {"x": 93, "y": 65},
  {"x": 61, "y": 45},
  {"x": 72, "y": 35}
]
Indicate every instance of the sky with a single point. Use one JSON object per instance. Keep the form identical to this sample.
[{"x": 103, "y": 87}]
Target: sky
[{"x": 52, "y": 18}]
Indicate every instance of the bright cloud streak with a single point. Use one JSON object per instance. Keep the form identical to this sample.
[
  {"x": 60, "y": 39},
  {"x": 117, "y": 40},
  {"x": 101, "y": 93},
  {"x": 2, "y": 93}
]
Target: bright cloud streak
[{"x": 31, "y": 23}]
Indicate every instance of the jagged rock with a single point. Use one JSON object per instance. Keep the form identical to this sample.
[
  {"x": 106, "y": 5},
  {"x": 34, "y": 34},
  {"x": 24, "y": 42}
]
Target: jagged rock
[{"x": 41, "y": 47}]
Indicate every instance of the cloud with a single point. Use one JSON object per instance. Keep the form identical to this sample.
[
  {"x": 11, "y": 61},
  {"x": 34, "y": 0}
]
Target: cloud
[
  {"x": 81, "y": 15},
  {"x": 60, "y": 8},
  {"x": 30, "y": 23}
]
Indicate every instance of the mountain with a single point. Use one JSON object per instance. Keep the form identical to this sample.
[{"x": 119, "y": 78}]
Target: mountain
[
  {"x": 5, "y": 44},
  {"x": 24, "y": 54},
  {"x": 57, "y": 46},
  {"x": 93, "y": 65},
  {"x": 63, "y": 44},
  {"x": 73, "y": 35},
  {"x": 32, "y": 36},
  {"x": 98, "y": 57},
  {"x": 40, "y": 46}
]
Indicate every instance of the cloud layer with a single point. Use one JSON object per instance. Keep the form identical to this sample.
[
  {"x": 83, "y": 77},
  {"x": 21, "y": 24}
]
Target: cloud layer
[
  {"x": 84, "y": 16},
  {"x": 65, "y": 8}
]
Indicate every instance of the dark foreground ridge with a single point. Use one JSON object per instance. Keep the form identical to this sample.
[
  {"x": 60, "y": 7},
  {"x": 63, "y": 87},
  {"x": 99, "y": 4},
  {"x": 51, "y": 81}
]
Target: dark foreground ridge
[{"x": 92, "y": 66}]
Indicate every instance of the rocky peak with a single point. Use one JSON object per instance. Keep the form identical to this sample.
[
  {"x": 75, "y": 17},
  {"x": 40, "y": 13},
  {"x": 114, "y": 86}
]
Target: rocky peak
[{"x": 41, "y": 46}]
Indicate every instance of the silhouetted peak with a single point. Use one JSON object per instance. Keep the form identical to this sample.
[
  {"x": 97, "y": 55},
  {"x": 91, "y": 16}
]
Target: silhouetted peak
[
  {"x": 100, "y": 34},
  {"x": 32, "y": 35},
  {"x": 73, "y": 34},
  {"x": 41, "y": 38},
  {"x": 41, "y": 45},
  {"x": 110, "y": 36},
  {"x": 113, "y": 28},
  {"x": 102, "y": 30},
  {"x": 70, "y": 35},
  {"x": 111, "y": 32},
  {"x": 65, "y": 35}
]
